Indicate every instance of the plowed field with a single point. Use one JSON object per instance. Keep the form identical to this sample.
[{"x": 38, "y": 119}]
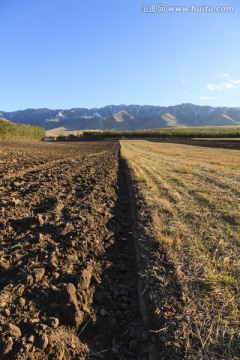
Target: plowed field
[{"x": 68, "y": 280}]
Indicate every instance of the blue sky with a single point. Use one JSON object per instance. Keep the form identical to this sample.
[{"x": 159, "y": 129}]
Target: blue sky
[{"x": 72, "y": 53}]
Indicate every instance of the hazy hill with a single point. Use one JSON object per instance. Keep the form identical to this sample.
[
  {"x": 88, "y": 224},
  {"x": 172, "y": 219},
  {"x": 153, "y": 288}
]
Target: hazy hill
[{"x": 127, "y": 117}]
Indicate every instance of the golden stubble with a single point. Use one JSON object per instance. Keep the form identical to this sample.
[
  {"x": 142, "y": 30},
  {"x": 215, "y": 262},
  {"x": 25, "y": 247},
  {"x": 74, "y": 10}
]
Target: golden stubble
[{"x": 193, "y": 195}]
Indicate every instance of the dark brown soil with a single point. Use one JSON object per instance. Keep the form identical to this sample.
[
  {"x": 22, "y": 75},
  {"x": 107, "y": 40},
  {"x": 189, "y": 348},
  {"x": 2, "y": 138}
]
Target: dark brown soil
[{"x": 68, "y": 279}]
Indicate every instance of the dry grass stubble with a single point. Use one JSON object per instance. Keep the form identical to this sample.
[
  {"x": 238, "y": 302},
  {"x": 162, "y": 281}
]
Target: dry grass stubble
[{"x": 192, "y": 194}]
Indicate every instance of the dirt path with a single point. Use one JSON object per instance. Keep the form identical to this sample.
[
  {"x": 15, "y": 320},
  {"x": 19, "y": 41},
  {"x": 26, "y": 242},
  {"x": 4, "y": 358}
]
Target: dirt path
[{"x": 68, "y": 281}]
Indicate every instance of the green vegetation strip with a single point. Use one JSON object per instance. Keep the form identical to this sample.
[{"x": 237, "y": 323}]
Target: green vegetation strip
[{"x": 10, "y": 131}]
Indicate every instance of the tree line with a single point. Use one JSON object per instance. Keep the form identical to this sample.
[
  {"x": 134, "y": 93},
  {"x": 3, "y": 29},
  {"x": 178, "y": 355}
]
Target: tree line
[
  {"x": 176, "y": 133},
  {"x": 11, "y": 131}
]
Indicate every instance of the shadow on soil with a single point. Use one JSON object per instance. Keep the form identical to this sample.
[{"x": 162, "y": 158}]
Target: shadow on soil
[{"x": 118, "y": 332}]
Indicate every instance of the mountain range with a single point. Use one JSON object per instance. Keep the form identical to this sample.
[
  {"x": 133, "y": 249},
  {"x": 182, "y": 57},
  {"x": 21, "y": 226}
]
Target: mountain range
[{"x": 127, "y": 117}]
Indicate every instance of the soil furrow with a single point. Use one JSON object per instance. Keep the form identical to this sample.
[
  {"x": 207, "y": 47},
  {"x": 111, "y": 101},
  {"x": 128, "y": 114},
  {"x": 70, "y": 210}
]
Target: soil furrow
[{"x": 118, "y": 331}]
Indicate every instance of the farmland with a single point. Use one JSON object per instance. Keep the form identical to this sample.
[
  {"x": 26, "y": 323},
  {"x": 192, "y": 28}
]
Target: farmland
[
  {"x": 192, "y": 196},
  {"x": 118, "y": 252},
  {"x": 68, "y": 287}
]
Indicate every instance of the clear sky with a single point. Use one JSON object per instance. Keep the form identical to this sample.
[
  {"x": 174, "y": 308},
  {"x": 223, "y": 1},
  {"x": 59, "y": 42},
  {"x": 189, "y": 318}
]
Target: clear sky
[{"x": 62, "y": 54}]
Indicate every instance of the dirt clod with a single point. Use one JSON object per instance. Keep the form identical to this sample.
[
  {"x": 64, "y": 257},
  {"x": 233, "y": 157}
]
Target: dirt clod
[
  {"x": 14, "y": 330},
  {"x": 43, "y": 341},
  {"x": 38, "y": 274},
  {"x": 31, "y": 339},
  {"x": 53, "y": 322},
  {"x": 7, "y": 346},
  {"x": 69, "y": 306}
]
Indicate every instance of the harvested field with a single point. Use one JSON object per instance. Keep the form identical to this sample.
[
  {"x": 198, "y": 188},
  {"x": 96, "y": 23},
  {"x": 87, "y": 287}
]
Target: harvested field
[
  {"x": 68, "y": 279},
  {"x": 215, "y": 143},
  {"x": 190, "y": 196}
]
